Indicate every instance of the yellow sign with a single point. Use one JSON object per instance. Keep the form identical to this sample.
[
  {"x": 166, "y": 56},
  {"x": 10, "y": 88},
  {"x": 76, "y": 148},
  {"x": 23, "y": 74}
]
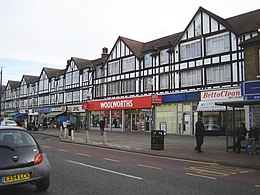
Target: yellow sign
[{"x": 63, "y": 108}]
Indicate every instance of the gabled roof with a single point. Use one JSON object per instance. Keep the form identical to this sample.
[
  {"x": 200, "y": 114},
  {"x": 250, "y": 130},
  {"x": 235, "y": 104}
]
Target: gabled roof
[
  {"x": 100, "y": 61},
  {"x": 135, "y": 46},
  {"x": 52, "y": 72},
  {"x": 165, "y": 42},
  {"x": 81, "y": 63},
  {"x": 246, "y": 22},
  {"x": 14, "y": 84},
  {"x": 30, "y": 79}
]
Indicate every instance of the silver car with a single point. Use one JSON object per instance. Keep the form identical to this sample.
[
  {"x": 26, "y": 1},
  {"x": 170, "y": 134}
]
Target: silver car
[{"x": 22, "y": 159}]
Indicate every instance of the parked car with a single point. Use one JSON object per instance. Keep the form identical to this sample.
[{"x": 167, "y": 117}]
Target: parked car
[
  {"x": 22, "y": 159},
  {"x": 8, "y": 122}
]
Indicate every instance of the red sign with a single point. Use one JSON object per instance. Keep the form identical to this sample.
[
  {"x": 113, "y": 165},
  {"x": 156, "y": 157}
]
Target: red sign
[
  {"x": 119, "y": 104},
  {"x": 156, "y": 99}
]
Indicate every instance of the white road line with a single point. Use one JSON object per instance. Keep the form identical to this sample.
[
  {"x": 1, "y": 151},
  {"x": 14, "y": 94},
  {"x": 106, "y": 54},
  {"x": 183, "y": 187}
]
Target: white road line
[
  {"x": 63, "y": 150},
  {"x": 106, "y": 170},
  {"x": 147, "y": 166},
  {"x": 203, "y": 176},
  {"x": 83, "y": 154},
  {"x": 110, "y": 159}
]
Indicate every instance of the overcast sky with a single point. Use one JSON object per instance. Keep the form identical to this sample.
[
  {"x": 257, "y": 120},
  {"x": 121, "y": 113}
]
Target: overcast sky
[{"x": 46, "y": 33}]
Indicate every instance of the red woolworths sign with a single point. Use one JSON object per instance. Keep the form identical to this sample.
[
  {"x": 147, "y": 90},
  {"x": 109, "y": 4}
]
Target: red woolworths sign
[{"x": 119, "y": 104}]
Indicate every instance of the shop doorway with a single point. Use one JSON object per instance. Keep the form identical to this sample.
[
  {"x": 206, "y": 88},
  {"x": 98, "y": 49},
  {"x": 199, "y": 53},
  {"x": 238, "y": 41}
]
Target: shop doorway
[
  {"x": 184, "y": 123},
  {"x": 141, "y": 121}
]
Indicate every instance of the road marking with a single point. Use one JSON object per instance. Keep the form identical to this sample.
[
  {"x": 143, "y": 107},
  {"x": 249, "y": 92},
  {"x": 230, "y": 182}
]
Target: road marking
[
  {"x": 45, "y": 146},
  {"x": 147, "y": 166},
  {"x": 83, "y": 154},
  {"x": 217, "y": 171},
  {"x": 140, "y": 154},
  {"x": 63, "y": 150},
  {"x": 110, "y": 159},
  {"x": 203, "y": 176},
  {"x": 106, "y": 170}
]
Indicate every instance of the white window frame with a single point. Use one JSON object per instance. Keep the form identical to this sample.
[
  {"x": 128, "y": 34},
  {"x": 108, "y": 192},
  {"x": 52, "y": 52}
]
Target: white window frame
[
  {"x": 148, "y": 60},
  {"x": 128, "y": 86},
  {"x": 148, "y": 83},
  {"x": 191, "y": 78},
  {"x": 128, "y": 64},
  {"x": 217, "y": 44},
  {"x": 113, "y": 67},
  {"x": 218, "y": 74},
  {"x": 190, "y": 50},
  {"x": 164, "y": 81},
  {"x": 114, "y": 88},
  {"x": 164, "y": 56}
]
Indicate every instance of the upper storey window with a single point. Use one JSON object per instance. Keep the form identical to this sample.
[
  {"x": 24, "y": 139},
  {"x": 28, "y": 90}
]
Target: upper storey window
[
  {"x": 113, "y": 68},
  {"x": 164, "y": 56},
  {"x": 190, "y": 50},
  {"x": 72, "y": 75},
  {"x": 23, "y": 88},
  {"x": 85, "y": 75},
  {"x": 44, "y": 83},
  {"x": 217, "y": 44},
  {"x": 128, "y": 64},
  {"x": 147, "y": 60}
]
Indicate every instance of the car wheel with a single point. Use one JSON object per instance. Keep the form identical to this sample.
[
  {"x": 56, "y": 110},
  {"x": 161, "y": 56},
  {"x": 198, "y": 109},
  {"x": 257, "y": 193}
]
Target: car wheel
[{"x": 43, "y": 184}]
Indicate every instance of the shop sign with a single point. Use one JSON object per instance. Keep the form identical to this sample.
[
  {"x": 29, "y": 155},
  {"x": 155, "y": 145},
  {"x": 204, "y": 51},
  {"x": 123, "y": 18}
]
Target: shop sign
[
  {"x": 63, "y": 108},
  {"x": 156, "y": 99},
  {"x": 56, "y": 109},
  {"x": 23, "y": 111},
  {"x": 228, "y": 94},
  {"x": 44, "y": 110},
  {"x": 251, "y": 88},
  {"x": 75, "y": 109},
  {"x": 121, "y": 104}
]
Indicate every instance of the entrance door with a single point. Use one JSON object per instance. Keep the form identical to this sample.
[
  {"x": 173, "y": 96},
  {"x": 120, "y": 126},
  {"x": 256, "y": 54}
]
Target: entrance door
[{"x": 184, "y": 123}]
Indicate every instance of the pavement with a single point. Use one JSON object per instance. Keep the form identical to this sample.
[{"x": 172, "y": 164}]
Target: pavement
[{"x": 175, "y": 146}]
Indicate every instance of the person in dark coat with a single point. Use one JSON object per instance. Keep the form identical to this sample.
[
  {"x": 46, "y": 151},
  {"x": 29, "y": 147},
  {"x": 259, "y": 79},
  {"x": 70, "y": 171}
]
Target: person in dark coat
[
  {"x": 102, "y": 125},
  {"x": 199, "y": 134},
  {"x": 254, "y": 136},
  {"x": 241, "y": 135}
]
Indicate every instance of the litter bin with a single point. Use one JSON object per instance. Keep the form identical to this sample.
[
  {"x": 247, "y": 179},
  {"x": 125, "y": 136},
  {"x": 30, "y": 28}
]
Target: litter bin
[{"x": 157, "y": 140}]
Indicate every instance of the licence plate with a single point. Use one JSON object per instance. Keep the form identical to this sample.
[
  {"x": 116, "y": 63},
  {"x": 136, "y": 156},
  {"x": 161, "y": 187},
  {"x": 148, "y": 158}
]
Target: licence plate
[{"x": 14, "y": 178}]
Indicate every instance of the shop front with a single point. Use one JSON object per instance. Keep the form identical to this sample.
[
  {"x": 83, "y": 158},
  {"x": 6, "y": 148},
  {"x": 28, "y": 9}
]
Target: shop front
[
  {"x": 122, "y": 114},
  {"x": 77, "y": 116},
  {"x": 176, "y": 114},
  {"x": 214, "y": 116}
]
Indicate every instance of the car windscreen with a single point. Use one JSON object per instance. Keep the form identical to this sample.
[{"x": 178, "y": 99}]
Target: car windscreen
[{"x": 15, "y": 138}]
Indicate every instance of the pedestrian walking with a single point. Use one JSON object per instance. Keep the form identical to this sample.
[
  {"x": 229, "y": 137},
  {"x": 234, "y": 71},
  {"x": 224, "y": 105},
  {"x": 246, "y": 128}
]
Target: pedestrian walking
[
  {"x": 254, "y": 136},
  {"x": 102, "y": 125},
  {"x": 241, "y": 135},
  {"x": 199, "y": 134}
]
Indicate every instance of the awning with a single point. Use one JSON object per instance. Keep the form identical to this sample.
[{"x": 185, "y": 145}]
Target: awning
[
  {"x": 210, "y": 106},
  {"x": 53, "y": 114},
  {"x": 33, "y": 113},
  {"x": 21, "y": 114}
]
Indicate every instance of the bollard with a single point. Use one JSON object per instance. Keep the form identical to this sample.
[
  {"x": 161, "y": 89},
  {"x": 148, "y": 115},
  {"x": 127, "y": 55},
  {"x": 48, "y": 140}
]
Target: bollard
[
  {"x": 72, "y": 135},
  {"x": 65, "y": 133},
  {"x": 87, "y": 136},
  {"x": 60, "y": 130},
  {"x": 104, "y": 138}
]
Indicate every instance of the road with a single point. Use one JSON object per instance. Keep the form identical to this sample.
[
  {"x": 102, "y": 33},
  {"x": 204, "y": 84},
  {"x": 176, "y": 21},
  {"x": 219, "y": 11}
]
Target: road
[{"x": 81, "y": 169}]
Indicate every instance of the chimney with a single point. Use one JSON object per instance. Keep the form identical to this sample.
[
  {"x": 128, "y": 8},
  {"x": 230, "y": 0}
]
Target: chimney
[{"x": 104, "y": 52}]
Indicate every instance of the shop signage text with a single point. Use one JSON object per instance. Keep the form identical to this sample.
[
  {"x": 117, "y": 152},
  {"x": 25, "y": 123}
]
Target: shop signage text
[
  {"x": 220, "y": 95},
  {"x": 127, "y": 103}
]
